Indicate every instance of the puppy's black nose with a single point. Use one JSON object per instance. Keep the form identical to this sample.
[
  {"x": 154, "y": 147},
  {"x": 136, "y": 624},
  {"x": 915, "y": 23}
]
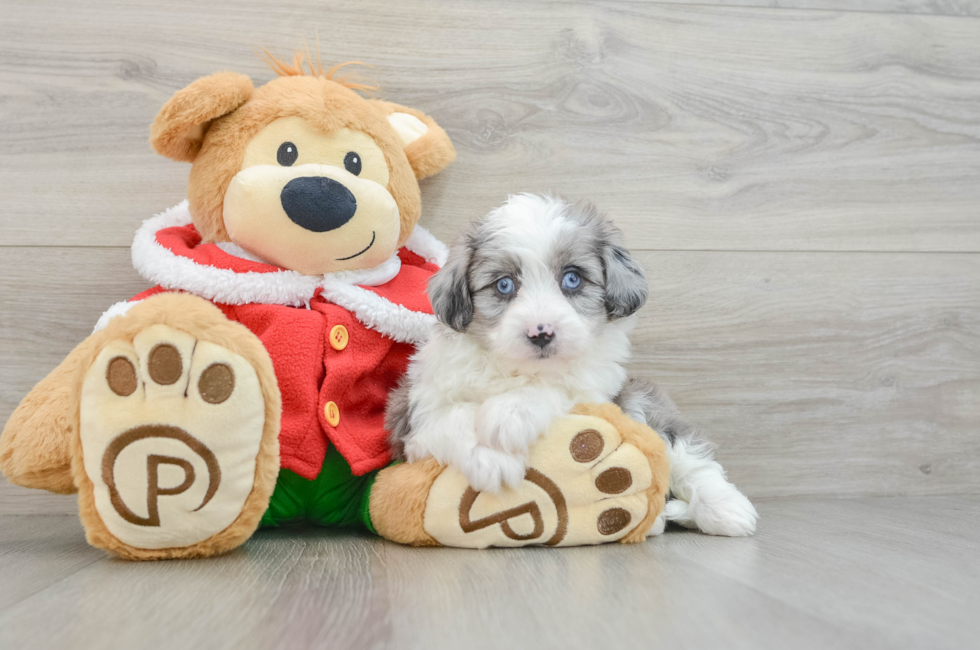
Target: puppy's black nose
[
  {"x": 541, "y": 340},
  {"x": 318, "y": 203},
  {"x": 541, "y": 336}
]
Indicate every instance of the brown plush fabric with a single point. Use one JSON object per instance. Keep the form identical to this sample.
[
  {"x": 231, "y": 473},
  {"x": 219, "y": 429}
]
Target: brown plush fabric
[
  {"x": 652, "y": 446},
  {"x": 204, "y": 321},
  {"x": 398, "y": 500},
  {"x": 326, "y": 104},
  {"x": 432, "y": 152},
  {"x": 179, "y": 128},
  {"x": 35, "y": 446}
]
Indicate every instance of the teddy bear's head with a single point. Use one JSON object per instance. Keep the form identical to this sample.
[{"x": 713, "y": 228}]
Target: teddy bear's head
[{"x": 302, "y": 172}]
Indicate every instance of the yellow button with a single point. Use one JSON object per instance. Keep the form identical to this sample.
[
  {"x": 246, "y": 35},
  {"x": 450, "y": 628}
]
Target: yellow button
[
  {"x": 332, "y": 414},
  {"x": 339, "y": 337}
]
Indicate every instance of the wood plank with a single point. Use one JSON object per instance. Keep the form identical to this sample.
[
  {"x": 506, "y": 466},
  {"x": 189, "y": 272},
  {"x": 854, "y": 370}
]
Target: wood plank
[
  {"x": 590, "y": 597},
  {"x": 823, "y": 373},
  {"x": 16, "y": 500},
  {"x": 52, "y": 298},
  {"x": 697, "y": 127},
  {"x": 842, "y": 373},
  {"x": 841, "y": 573},
  {"x": 931, "y": 7},
  {"x": 37, "y": 552},
  {"x": 293, "y": 588},
  {"x": 903, "y": 569}
]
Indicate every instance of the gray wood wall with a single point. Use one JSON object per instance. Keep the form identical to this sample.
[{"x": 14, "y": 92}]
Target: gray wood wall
[{"x": 801, "y": 178}]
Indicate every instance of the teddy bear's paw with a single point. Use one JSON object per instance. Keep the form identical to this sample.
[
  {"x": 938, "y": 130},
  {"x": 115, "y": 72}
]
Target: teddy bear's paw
[
  {"x": 584, "y": 485},
  {"x": 170, "y": 428}
]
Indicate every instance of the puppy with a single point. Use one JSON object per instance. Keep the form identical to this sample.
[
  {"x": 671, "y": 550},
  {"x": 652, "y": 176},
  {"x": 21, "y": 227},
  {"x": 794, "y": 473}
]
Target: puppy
[{"x": 535, "y": 305}]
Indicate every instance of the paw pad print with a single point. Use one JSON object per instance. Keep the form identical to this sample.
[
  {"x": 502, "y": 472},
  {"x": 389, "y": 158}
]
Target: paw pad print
[
  {"x": 170, "y": 428},
  {"x": 165, "y": 367},
  {"x": 584, "y": 485}
]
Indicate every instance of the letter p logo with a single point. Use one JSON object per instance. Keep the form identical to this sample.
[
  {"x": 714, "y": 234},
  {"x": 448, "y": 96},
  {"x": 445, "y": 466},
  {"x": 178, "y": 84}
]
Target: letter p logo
[{"x": 153, "y": 463}]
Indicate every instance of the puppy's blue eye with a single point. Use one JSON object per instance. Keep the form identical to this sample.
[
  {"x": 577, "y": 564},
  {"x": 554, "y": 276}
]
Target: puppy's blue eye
[
  {"x": 571, "y": 281},
  {"x": 505, "y": 286}
]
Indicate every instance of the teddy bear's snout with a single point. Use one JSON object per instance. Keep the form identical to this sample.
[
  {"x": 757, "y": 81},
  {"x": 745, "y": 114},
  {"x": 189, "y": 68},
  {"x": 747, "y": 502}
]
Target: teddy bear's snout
[{"x": 318, "y": 203}]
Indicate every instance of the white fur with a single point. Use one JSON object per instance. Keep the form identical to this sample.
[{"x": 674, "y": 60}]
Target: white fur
[
  {"x": 480, "y": 408},
  {"x": 424, "y": 244},
  {"x": 466, "y": 401},
  {"x": 118, "y": 309},
  {"x": 704, "y": 499}
]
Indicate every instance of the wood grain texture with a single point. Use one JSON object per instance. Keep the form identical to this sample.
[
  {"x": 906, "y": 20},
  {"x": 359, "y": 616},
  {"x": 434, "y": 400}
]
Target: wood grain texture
[
  {"x": 839, "y": 573},
  {"x": 855, "y": 374},
  {"x": 823, "y": 373},
  {"x": 937, "y": 7},
  {"x": 697, "y": 127},
  {"x": 15, "y": 500},
  {"x": 39, "y": 551}
]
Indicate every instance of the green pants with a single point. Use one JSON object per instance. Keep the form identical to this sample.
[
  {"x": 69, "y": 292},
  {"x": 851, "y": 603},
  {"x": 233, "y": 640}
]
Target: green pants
[{"x": 335, "y": 498}]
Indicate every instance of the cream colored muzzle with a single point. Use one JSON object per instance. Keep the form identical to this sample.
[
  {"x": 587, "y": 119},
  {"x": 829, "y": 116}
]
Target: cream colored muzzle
[{"x": 311, "y": 218}]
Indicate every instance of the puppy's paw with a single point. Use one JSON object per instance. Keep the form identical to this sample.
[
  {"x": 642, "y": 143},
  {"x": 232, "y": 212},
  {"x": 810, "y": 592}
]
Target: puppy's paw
[
  {"x": 676, "y": 510},
  {"x": 659, "y": 525},
  {"x": 488, "y": 470},
  {"x": 727, "y": 513},
  {"x": 722, "y": 510},
  {"x": 502, "y": 423}
]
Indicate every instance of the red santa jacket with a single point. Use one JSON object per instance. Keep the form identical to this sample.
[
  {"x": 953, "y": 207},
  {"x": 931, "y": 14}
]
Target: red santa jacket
[{"x": 339, "y": 343}]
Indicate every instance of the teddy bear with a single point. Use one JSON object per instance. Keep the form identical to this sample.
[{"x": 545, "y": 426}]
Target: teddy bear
[{"x": 247, "y": 388}]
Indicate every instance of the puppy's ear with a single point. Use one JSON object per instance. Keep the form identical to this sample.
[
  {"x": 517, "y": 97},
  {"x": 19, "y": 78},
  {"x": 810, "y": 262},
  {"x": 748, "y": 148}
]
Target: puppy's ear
[
  {"x": 626, "y": 282},
  {"x": 449, "y": 288},
  {"x": 427, "y": 147},
  {"x": 179, "y": 127}
]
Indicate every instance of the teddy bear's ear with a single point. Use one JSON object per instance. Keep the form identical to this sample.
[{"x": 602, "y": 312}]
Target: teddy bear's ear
[
  {"x": 428, "y": 148},
  {"x": 179, "y": 127}
]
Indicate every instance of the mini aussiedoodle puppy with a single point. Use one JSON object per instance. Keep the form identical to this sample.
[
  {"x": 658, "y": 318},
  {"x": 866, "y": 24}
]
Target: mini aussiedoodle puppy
[{"x": 535, "y": 307}]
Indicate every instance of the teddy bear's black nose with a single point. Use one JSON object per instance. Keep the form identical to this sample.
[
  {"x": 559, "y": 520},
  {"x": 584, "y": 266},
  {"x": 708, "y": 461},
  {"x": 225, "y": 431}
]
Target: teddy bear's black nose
[{"x": 318, "y": 203}]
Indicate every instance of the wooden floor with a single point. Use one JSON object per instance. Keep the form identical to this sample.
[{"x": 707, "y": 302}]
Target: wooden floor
[
  {"x": 822, "y": 573},
  {"x": 800, "y": 179}
]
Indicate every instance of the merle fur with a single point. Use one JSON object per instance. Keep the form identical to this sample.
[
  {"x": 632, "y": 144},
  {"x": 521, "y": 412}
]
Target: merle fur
[{"x": 624, "y": 290}]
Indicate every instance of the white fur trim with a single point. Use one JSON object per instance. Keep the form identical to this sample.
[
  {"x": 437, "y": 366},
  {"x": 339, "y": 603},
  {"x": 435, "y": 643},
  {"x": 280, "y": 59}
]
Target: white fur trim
[
  {"x": 424, "y": 244},
  {"x": 373, "y": 277},
  {"x": 161, "y": 266},
  {"x": 118, "y": 309},
  {"x": 235, "y": 250},
  {"x": 380, "y": 314}
]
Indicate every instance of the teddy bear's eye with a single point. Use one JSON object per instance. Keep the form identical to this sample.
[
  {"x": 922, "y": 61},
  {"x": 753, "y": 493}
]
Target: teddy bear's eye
[
  {"x": 287, "y": 154},
  {"x": 352, "y": 163}
]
